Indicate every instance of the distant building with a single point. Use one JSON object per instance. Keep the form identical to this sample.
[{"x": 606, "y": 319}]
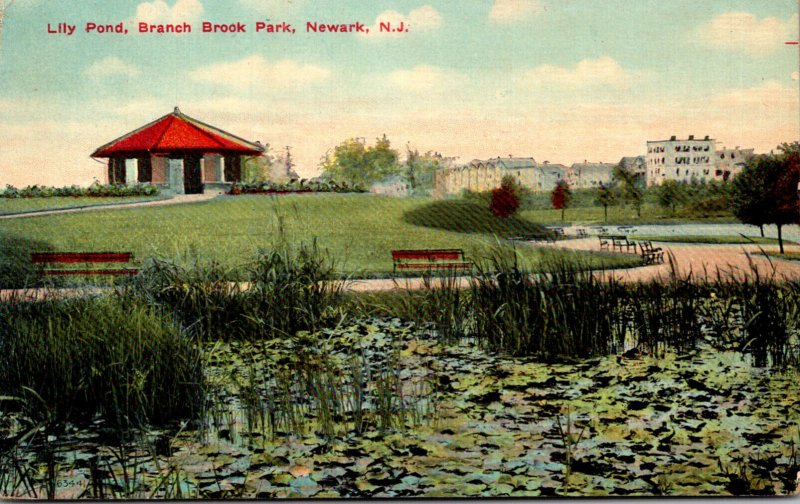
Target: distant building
[
  {"x": 589, "y": 175},
  {"x": 637, "y": 165},
  {"x": 730, "y": 162},
  {"x": 681, "y": 160},
  {"x": 484, "y": 175},
  {"x": 395, "y": 185},
  {"x": 685, "y": 160}
]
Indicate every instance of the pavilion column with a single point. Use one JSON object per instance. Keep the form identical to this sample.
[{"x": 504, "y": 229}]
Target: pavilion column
[
  {"x": 175, "y": 175},
  {"x": 131, "y": 171}
]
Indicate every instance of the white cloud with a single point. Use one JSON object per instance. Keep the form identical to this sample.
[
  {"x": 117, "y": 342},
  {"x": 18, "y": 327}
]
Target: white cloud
[
  {"x": 158, "y": 11},
  {"x": 272, "y": 7},
  {"x": 509, "y": 11},
  {"x": 744, "y": 32},
  {"x": 769, "y": 95},
  {"x": 422, "y": 19},
  {"x": 421, "y": 78},
  {"x": 603, "y": 71},
  {"x": 111, "y": 66},
  {"x": 256, "y": 72}
]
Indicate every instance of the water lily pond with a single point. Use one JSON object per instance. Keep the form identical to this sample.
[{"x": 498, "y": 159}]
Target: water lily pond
[{"x": 380, "y": 408}]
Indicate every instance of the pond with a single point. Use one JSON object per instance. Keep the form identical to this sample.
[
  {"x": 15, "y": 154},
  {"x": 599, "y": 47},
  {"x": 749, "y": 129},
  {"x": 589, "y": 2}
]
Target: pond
[{"x": 450, "y": 420}]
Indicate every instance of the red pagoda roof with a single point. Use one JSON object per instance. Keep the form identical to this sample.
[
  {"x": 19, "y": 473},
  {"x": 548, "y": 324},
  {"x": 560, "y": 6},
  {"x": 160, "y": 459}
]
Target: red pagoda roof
[{"x": 177, "y": 132}]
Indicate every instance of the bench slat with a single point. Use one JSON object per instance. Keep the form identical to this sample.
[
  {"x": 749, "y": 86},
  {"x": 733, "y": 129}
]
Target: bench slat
[
  {"x": 80, "y": 257},
  {"x": 453, "y": 254},
  {"x": 434, "y": 265},
  {"x": 92, "y": 272}
]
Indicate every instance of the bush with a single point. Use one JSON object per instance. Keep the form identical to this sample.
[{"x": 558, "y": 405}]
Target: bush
[
  {"x": 293, "y": 186},
  {"x": 70, "y": 360},
  {"x": 504, "y": 202},
  {"x": 94, "y": 190}
]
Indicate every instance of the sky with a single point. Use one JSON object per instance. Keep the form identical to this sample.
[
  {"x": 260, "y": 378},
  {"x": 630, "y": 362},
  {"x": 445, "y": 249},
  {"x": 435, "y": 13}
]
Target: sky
[{"x": 557, "y": 80}]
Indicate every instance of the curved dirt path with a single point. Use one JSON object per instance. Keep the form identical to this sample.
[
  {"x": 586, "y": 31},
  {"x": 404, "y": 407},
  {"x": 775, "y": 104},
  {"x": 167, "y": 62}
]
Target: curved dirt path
[
  {"x": 175, "y": 200},
  {"x": 701, "y": 261}
]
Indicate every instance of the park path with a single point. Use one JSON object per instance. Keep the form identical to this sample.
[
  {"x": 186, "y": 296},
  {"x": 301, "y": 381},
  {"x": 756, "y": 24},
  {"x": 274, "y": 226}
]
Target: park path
[
  {"x": 702, "y": 261},
  {"x": 175, "y": 200}
]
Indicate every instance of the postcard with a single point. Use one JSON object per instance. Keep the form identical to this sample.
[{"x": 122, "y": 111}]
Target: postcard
[{"x": 407, "y": 248}]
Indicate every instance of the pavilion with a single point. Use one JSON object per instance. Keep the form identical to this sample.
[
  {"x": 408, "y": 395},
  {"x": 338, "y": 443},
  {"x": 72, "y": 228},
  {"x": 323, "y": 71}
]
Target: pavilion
[{"x": 178, "y": 153}]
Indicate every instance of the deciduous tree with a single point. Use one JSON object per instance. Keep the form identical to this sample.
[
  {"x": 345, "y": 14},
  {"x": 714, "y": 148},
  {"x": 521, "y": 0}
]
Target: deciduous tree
[
  {"x": 766, "y": 190},
  {"x": 505, "y": 200},
  {"x": 605, "y": 197},
  {"x": 561, "y": 196},
  {"x": 356, "y": 164}
]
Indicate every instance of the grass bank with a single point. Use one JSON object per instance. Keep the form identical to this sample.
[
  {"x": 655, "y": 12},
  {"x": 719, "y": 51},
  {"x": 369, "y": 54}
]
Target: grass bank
[{"x": 358, "y": 230}]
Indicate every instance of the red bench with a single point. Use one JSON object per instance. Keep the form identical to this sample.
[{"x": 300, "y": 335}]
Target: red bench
[
  {"x": 451, "y": 259},
  {"x": 55, "y": 258}
]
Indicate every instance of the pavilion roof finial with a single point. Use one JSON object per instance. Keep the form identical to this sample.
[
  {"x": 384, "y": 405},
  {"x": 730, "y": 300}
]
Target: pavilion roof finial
[{"x": 177, "y": 110}]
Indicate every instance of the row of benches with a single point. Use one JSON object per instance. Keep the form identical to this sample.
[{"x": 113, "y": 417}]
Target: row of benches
[
  {"x": 452, "y": 259},
  {"x": 448, "y": 259},
  {"x": 650, "y": 254}
]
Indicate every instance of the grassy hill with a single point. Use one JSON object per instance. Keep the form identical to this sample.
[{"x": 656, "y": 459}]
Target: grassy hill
[{"x": 358, "y": 230}]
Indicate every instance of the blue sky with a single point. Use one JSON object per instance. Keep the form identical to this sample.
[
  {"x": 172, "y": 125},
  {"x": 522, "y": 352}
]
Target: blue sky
[{"x": 561, "y": 81}]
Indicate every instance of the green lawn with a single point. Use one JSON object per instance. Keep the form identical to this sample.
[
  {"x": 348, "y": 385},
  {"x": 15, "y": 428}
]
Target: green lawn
[
  {"x": 789, "y": 256},
  {"x": 713, "y": 239},
  {"x": 18, "y": 205},
  {"x": 359, "y": 230}
]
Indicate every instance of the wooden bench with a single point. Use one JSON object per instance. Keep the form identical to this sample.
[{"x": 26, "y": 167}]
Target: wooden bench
[
  {"x": 87, "y": 258},
  {"x": 651, "y": 255},
  {"x": 620, "y": 242},
  {"x": 450, "y": 259}
]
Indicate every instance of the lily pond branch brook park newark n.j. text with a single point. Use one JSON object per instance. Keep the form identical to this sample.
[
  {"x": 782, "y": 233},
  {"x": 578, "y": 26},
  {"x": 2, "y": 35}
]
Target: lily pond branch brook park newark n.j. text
[{"x": 263, "y": 26}]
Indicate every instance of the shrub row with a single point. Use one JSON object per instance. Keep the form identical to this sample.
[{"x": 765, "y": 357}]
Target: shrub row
[
  {"x": 294, "y": 186},
  {"x": 94, "y": 190}
]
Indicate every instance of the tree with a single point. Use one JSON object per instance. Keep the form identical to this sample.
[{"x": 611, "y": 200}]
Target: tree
[
  {"x": 670, "y": 193},
  {"x": 421, "y": 167},
  {"x": 561, "y": 196},
  {"x": 632, "y": 192},
  {"x": 605, "y": 197},
  {"x": 766, "y": 190},
  {"x": 356, "y": 164},
  {"x": 505, "y": 201}
]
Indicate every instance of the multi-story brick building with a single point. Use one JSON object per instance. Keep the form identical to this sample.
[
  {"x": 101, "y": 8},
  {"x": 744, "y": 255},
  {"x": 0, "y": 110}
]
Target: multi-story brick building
[
  {"x": 692, "y": 159},
  {"x": 681, "y": 160}
]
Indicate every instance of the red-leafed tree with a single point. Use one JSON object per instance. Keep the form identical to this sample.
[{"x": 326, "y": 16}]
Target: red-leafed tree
[
  {"x": 766, "y": 191},
  {"x": 505, "y": 200},
  {"x": 561, "y": 196}
]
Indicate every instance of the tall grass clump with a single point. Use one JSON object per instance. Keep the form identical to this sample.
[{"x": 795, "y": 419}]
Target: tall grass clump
[
  {"x": 566, "y": 312},
  {"x": 293, "y": 289},
  {"x": 202, "y": 295},
  {"x": 287, "y": 290},
  {"x": 68, "y": 360},
  {"x": 766, "y": 318}
]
